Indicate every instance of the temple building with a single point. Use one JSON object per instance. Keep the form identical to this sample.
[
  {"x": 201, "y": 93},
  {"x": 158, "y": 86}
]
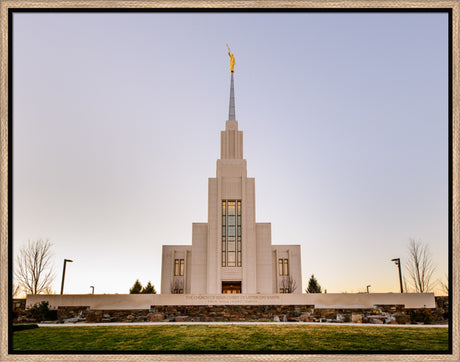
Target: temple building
[{"x": 231, "y": 253}]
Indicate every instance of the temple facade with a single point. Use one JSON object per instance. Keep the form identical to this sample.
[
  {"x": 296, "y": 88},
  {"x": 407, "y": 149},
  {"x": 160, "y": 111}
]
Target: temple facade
[{"x": 231, "y": 253}]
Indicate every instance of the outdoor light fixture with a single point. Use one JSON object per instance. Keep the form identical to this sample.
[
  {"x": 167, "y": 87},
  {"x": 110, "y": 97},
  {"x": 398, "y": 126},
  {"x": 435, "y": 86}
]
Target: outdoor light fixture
[
  {"x": 367, "y": 287},
  {"x": 92, "y": 286},
  {"x": 398, "y": 263},
  {"x": 63, "y": 274}
]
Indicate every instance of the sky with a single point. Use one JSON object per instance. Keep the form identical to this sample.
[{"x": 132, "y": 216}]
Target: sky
[{"x": 116, "y": 130}]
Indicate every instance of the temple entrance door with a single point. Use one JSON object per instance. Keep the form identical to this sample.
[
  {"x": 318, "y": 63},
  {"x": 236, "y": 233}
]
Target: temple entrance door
[{"x": 231, "y": 287}]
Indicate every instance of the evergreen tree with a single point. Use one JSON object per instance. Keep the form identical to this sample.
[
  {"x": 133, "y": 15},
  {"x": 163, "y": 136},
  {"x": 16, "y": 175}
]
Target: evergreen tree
[
  {"x": 313, "y": 286},
  {"x": 149, "y": 289},
  {"x": 136, "y": 288}
]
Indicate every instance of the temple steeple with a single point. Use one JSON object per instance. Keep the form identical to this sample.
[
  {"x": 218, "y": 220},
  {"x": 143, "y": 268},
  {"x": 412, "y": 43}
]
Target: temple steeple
[
  {"x": 231, "y": 108},
  {"x": 231, "y": 141}
]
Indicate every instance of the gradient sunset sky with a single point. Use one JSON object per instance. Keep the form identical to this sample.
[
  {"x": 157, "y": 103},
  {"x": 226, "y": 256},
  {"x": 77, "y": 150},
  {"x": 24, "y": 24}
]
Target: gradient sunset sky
[{"x": 116, "y": 129}]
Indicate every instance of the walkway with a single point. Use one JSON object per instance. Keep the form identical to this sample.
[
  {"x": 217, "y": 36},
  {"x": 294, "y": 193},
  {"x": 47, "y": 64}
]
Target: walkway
[{"x": 84, "y": 324}]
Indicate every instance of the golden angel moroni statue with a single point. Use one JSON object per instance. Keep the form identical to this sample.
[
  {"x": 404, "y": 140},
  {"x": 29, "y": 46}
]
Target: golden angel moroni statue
[{"x": 232, "y": 60}]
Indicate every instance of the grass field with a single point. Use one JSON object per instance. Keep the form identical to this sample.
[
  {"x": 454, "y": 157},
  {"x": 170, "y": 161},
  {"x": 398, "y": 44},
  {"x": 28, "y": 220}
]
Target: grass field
[{"x": 231, "y": 338}]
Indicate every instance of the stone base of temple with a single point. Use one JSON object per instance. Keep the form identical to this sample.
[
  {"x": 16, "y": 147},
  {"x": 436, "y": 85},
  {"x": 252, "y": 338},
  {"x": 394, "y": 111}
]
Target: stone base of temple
[{"x": 386, "y": 314}]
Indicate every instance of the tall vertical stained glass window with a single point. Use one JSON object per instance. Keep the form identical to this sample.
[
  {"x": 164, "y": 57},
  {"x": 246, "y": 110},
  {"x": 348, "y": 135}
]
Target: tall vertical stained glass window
[{"x": 231, "y": 232}]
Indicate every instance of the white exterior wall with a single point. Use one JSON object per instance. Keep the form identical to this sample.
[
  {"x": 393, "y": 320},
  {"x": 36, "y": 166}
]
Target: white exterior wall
[
  {"x": 199, "y": 258},
  {"x": 213, "y": 244},
  {"x": 292, "y": 252},
  {"x": 171, "y": 252},
  {"x": 166, "y": 269},
  {"x": 264, "y": 262},
  {"x": 249, "y": 238},
  {"x": 317, "y": 300},
  {"x": 204, "y": 271}
]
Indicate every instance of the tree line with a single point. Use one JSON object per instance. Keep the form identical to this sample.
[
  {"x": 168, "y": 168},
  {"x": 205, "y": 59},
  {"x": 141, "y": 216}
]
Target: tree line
[{"x": 137, "y": 288}]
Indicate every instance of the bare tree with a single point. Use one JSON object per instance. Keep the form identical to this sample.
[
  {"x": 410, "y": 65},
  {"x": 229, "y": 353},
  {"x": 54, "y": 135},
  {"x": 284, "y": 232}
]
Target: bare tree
[
  {"x": 288, "y": 284},
  {"x": 17, "y": 290},
  {"x": 445, "y": 285},
  {"x": 406, "y": 286},
  {"x": 34, "y": 269},
  {"x": 48, "y": 291},
  {"x": 420, "y": 266}
]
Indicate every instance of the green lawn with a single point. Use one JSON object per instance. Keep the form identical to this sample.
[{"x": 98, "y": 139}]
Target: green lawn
[{"x": 231, "y": 338}]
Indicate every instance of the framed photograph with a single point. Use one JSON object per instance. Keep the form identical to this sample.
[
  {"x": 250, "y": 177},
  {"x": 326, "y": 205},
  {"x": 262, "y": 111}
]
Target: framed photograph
[{"x": 258, "y": 180}]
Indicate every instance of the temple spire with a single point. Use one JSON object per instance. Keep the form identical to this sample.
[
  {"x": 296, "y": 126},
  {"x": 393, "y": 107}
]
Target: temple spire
[{"x": 231, "y": 108}]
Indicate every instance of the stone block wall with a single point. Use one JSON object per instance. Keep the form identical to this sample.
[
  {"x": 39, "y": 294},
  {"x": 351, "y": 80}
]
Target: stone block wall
[
  {"x": 387, "y": 314},
  {"x": 71, "y": 312},
  {"x": 233, "y": 313},
  {"x": 105, "y": 316},
  {"x": 19, "y": 304}
]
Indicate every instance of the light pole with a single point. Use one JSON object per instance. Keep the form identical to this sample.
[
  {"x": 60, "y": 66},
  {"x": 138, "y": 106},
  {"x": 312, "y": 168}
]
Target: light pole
[
  {"x": 398, "y": 263},
  {"x": 92, "y": 286},
  {"x": 63, "y": 274},
  {"x": 367, "y": 287}
]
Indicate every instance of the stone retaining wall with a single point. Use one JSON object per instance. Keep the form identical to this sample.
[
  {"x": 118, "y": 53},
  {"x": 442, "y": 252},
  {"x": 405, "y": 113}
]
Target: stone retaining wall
[
  {"x": 233, "y": 313},
  {"x": 395, "y": 314}
]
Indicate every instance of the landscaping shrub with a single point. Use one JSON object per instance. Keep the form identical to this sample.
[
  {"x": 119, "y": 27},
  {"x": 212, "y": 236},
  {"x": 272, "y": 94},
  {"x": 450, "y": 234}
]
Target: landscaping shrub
[
  {"x": 22, "y": 327},
  {"x": 41, "y": 312},
  {"x": 422, "y": 316}
]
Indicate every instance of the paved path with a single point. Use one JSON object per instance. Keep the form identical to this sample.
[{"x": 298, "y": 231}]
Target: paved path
[{"x": 84, "y": 324}]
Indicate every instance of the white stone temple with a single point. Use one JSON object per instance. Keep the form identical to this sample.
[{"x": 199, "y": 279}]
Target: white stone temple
[{"x": 231, "y": 253}]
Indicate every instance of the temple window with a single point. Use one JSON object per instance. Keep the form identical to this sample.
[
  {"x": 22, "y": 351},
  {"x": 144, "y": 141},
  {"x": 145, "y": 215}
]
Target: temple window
[
  {"x": 283, "y": 266},
  {"x": 178, "y": 267},
  {"x": 231, "y": 233}
]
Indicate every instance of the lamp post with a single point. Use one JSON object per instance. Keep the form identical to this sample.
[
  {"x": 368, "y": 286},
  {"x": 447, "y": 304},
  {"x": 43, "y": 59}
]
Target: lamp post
[
  {"x": 367, "y": 287},
  {"x": 63, "y": 274},
  {"x": 398, "y": 263},
  {"x": 92, "y": 287}
]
